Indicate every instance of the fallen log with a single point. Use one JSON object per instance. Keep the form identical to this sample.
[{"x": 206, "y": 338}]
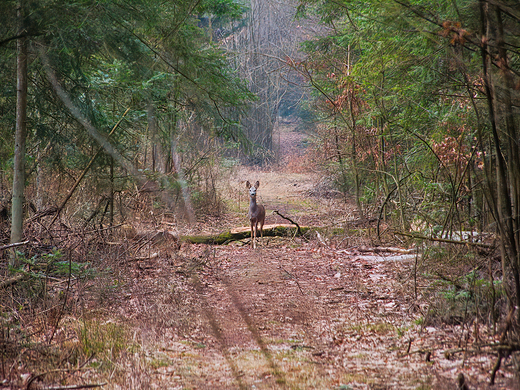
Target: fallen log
[{"x": 280, "y": 229}]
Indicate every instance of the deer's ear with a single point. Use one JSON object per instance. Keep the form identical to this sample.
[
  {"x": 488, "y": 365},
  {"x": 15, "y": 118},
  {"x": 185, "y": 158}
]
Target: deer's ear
[
  {"x": 257, "y": 184},
  {"x": 248, "y": 185}
]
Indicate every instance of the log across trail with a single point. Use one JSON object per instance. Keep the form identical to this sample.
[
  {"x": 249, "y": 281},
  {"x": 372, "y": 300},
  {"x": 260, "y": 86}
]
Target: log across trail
[{"x": 280, "y": 229}]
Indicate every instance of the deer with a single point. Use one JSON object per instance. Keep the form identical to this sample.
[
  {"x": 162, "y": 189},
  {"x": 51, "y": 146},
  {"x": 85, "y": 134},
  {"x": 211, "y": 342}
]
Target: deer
[{"x": 256, "y": 213}]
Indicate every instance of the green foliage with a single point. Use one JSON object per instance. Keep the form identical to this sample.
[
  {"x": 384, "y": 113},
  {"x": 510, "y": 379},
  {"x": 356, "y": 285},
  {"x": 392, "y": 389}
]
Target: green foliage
[
  {"x": 398, "y": 98},
  {"x": 44, "y": 265},
  {"x": 460, "y": 289},
  {"x": 111, "y": 56}
]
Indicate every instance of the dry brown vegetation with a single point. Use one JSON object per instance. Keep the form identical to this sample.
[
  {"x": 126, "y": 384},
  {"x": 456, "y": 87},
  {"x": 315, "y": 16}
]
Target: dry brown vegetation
[{"x": 132, "y": 307}]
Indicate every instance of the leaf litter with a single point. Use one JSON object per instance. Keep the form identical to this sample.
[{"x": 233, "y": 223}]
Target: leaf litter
[{"x": 296, "y": 313}]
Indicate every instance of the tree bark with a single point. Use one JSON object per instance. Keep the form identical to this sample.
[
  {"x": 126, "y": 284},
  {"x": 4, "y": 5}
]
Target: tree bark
[
  {"x": 157, "y": 164},
  {"x": 513, "y": 154},
  {"x": 504, "y": 209},
  {"x": 20, "y": 135},
  {"x": 237, "y": 234}
]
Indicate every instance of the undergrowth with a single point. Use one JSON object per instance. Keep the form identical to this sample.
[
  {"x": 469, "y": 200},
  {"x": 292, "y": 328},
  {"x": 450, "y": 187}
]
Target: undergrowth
[
  {"x": 462, "y": 285},
  {"x": 45, "y": 333}
]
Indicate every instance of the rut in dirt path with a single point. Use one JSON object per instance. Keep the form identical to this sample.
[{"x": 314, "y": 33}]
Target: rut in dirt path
[
  {"x": 232, "y": 317},
  {"x": 258, "y": 304},
  {"x": 232, "y": 322},
  {"x": 214, "y": 323}
]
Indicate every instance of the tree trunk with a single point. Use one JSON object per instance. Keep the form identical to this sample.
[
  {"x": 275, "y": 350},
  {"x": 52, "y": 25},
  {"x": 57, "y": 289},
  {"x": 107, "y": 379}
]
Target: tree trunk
[
  {"x": 272, "y": 35},
  {"x": 20, "y": 133},
  {"x": 353, "y": 150},
  {"x": 111, "y": 195},
  {"x": 353, "y": 153},
  {"x": 152, "y": 128},
  {"x": 504, "y": 209},
  {"x": 513, "y": 160}
]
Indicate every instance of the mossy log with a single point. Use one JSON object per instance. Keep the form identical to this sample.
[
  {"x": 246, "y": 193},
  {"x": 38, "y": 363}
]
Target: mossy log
[{"x": 241, "y": 233}]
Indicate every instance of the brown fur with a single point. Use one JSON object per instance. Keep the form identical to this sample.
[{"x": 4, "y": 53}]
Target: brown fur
[{"x": 256, "y": 213}]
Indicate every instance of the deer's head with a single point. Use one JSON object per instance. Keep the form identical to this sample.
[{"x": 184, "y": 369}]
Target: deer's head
[{"x": 252, "y": 189}]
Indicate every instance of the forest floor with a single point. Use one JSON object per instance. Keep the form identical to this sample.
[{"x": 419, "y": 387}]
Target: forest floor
[
  {"x": 298, "y": 313},
  {"x": 328, "y": 311}
]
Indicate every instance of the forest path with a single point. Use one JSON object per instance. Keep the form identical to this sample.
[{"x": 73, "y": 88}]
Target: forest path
[
  {"x": 284, "y": 316},
  {"x": 292, "y": 314},
  {"x": 291, "y": 186},
  {"x": 298, "y": 308}
]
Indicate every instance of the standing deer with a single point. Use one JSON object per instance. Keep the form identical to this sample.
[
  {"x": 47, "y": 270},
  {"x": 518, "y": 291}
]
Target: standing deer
[{"x": 256, "y": 213}]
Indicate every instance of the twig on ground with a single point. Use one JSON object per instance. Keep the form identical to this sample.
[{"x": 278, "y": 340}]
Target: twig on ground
[
  {"x": 62, "y": 311},
  {"x": 321, "y": 240},
  {"x": 421, "y": 237},
  {"x": 74, "y": 387},
  {"x": 290, "y": 220},
  {"x": 13, "y": 245},
  {"x": 496, "y": 367},
  {"x": 149, "y": 257},
  {"x": 293, "y": 277},
  {"x": 71, "y": 387}
]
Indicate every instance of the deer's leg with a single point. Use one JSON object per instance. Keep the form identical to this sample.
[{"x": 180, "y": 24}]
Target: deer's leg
[
  {"x": 262, "y": 228},
  {"x": 252, "y": 235},
  {"x": 256, "y": 233}
]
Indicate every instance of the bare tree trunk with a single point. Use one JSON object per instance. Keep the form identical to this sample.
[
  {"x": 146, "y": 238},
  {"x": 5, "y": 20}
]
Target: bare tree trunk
[
  {"x": 20, "y": 134},
  {"x": 270, "y": 37},
  {"x": 513, "y": 160},
  {"x": 111, "y": 195},
  {"x": 152, "y": 128},
  {"x": 353, "y": 153},
  {"x": 505, "y": 209},
  {"x": 353, "y": 150},
  {"x": 40, "y": 187},
  {"x": 344, "y": 178}
]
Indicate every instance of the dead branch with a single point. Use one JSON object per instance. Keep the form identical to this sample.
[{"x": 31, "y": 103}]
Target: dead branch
[
  {"x": 74, "y": 387},
  {"x": 322, "y": 241},
  {"x": 242, "y": 233},
  {"x": 37, "y": 376},
  {"x": 501, "y": 354},
  {"x": 8, "y": 282},
  {"x": 41, "y": 214},
  {"x": 386, "y": 250},
  {"x": 62, "y": 311},
  {"x": 421, "y": 237},
  {"x": 13, "y": 245},
  {"x": 512, "y": 347},
  {"x": 419, "y": 351},
  {"x": 290, "y": 220},
  {"x": 292, "y": 277},
  {"x": 461, "y": 382},
  {"x": 149, "y": 257}
]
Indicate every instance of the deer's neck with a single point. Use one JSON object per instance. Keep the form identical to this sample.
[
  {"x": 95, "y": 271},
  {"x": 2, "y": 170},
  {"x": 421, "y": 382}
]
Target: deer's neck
[{"x": 253, "y": 207}]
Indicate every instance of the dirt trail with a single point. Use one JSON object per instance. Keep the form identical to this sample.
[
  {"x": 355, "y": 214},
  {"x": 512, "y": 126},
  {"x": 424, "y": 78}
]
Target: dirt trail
[
  {"x": 293, "y": 309},
  {"x": 292, "y": 314}
]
